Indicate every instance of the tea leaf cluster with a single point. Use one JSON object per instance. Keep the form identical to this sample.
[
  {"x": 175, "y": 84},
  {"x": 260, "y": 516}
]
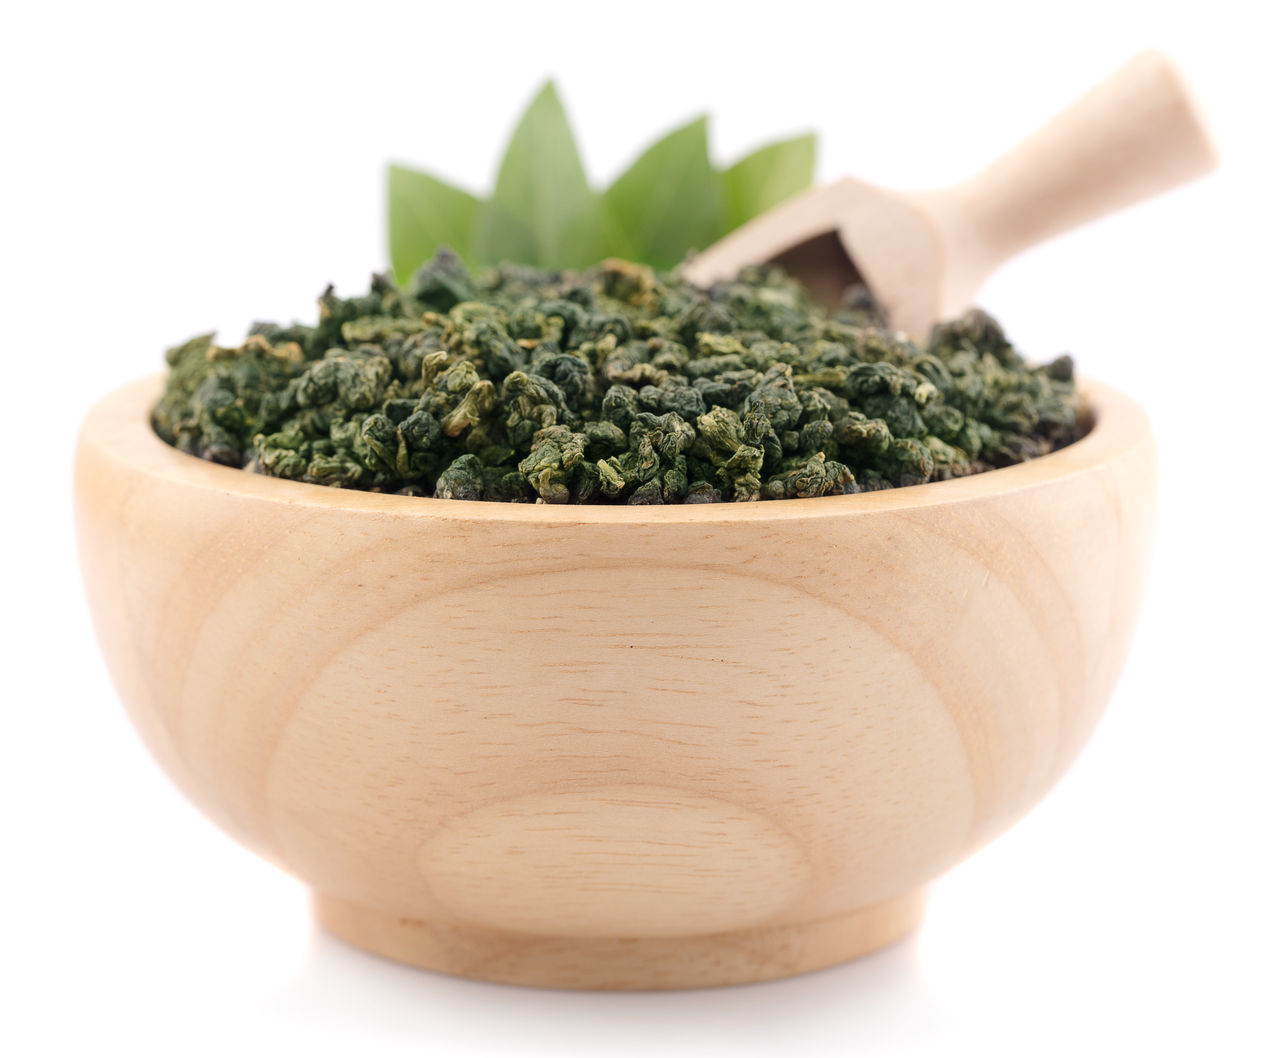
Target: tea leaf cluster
[{"x": 615, "y": 384}]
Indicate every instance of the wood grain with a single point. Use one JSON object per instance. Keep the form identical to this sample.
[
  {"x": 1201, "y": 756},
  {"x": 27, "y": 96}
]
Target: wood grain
[{"x": 614, "y": 747}]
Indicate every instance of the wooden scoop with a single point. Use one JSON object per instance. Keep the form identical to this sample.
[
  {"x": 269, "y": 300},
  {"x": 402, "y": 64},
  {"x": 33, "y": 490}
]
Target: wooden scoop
[{"x": 925, "y": 254}]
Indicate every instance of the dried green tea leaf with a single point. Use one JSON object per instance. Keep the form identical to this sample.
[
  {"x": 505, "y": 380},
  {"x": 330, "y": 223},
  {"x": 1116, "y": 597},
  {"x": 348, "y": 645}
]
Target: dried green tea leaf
[
  {"x": 767, "y": 177},
  {"x": 669, "y": 201},
  {"x": 424, "y": 214},
  {"x": 614, "y": 384}
]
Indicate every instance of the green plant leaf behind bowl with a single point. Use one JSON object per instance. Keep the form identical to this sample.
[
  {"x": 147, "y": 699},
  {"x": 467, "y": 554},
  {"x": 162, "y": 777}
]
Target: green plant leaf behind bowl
[
  {"x": 670, "y": 200},
  {"x": 669, "y": 203},
  {"x": 543, "y": 212},
  {"x": 423, "y": 214},
  {"x": 767, "y": 177}
]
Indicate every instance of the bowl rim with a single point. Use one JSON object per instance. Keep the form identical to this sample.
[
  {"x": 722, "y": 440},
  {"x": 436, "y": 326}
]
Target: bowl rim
[{"x": 118, "y": 426}]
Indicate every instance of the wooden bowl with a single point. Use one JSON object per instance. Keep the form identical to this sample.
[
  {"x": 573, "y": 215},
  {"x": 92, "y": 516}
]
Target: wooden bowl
[{"x": 614, "y": 747}]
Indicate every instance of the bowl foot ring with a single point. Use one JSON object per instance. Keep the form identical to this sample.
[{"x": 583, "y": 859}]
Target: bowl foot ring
[{"x": 699, "y": 961}]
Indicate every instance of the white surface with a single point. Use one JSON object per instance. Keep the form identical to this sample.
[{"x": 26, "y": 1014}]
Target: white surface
[{"x": 168, "y": 168}]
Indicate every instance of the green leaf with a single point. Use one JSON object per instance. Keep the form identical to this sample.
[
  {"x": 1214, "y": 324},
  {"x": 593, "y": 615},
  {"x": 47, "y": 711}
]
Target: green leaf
[
  {"x": 424, "y": 214},
  {"x": 766, "y": 177},
  {"x": 543, "y": 211},
  {"x": 670, "y": 201}
]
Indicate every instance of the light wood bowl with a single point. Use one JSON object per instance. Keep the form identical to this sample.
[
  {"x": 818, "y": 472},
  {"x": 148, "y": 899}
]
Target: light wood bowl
[{"x": 614, "y": 747}]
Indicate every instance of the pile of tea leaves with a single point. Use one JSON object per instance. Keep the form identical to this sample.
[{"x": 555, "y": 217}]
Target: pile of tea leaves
[{"x": 611, "y": 385}]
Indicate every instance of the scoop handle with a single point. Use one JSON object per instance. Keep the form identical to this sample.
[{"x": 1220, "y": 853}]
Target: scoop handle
[{"x": 1132, "y": 136}]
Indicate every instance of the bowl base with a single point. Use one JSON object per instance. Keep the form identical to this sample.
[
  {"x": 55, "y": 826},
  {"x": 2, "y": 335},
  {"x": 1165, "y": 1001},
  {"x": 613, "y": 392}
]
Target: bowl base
[{"x": 609, "y": 963}]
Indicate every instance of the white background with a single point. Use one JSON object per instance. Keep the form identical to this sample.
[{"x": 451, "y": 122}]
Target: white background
[{"x": 170, "y": 168}]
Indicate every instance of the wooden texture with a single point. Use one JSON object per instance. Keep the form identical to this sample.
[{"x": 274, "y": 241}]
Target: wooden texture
[
  {"x": 614, "y": 747},
  {"x": 926, "y": 254}
]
